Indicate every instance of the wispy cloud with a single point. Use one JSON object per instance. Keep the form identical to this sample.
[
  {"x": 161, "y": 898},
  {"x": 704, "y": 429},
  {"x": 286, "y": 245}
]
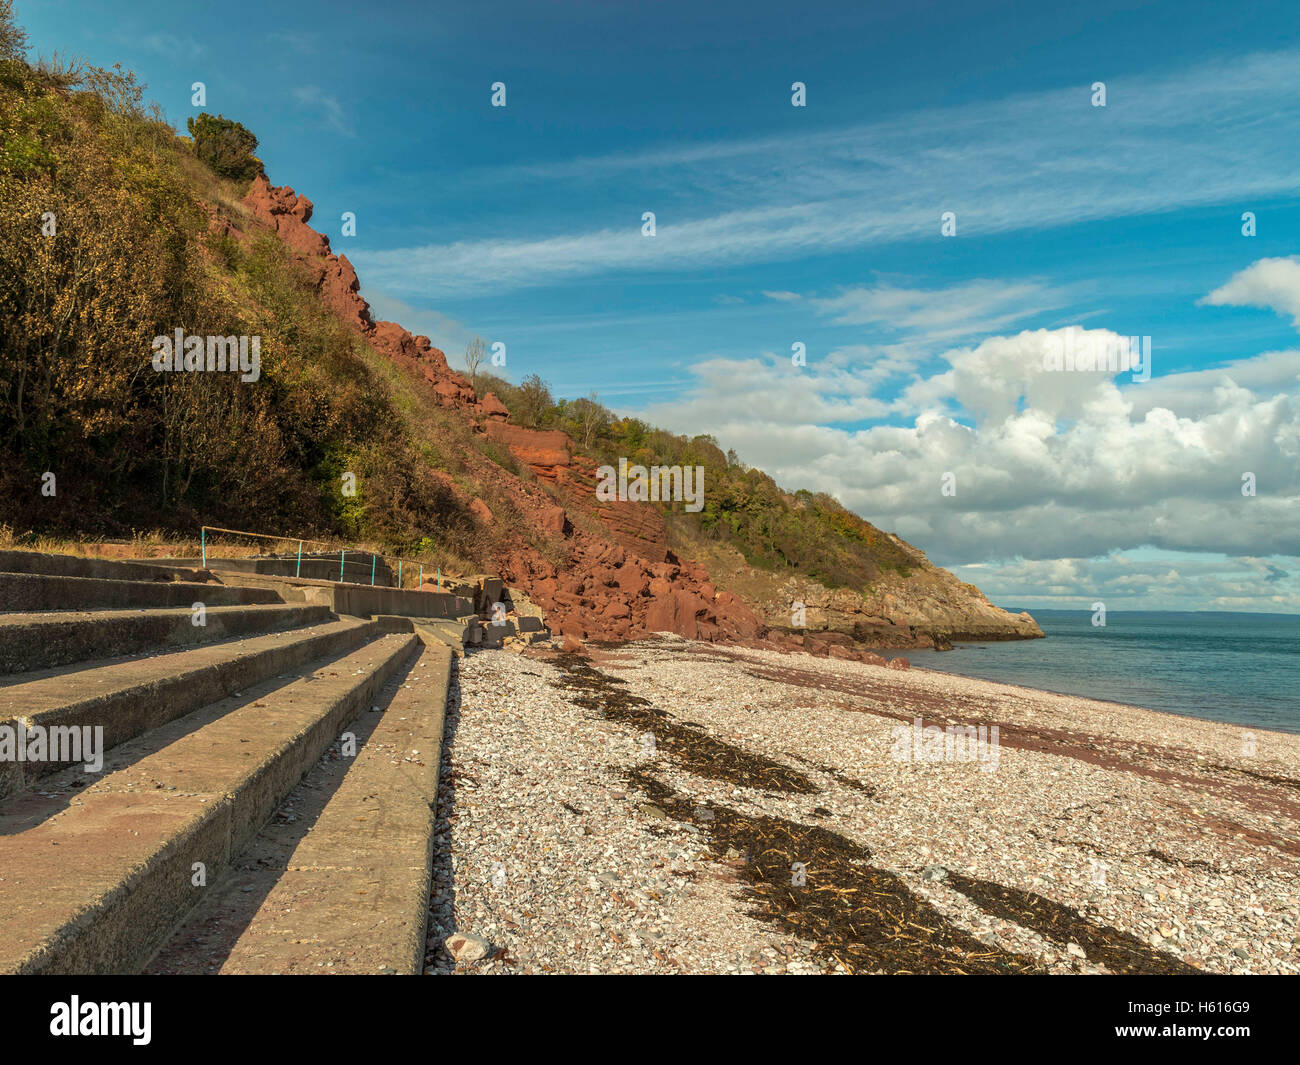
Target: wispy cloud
[
  {"x": 171, "y": 44},
  {"x": 966, "y": 309},
  {"x": 326, "y": 106},
  {"x": 1030, "y": 162}
]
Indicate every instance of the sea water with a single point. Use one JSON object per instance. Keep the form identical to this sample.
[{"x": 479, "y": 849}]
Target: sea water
[{"x": 1235, "y": 667}]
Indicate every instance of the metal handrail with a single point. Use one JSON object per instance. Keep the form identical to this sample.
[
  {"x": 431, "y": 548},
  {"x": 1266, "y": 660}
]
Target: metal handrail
[{"x": 341, "y": 549}]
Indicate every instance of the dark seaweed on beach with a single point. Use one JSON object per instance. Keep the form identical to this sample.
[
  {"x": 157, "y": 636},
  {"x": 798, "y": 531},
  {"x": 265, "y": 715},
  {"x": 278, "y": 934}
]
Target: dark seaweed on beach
[
  {"x": 689, "y": 745},
  {"x": 1119, "y": 951},
  {"x": 855, "y": 914},
  {"x": 863, "y": 917}
]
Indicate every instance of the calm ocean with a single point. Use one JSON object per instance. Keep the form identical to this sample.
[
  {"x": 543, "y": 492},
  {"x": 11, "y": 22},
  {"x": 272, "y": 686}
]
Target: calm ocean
[{"x": 1242, "y": 668}]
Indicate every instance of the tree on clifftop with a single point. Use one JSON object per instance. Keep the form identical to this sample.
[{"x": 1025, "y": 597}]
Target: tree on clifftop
[
  {"x": 13, "y": 39},
  {"x": 226, "y": 146},
  {"x": 535, "y": 401},
  {"x": 474, "y": 352}
]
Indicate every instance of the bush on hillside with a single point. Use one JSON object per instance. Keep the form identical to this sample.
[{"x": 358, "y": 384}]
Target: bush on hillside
[
  {"x": 226, "y": 146},
  {"x": 104, "y": 245}
]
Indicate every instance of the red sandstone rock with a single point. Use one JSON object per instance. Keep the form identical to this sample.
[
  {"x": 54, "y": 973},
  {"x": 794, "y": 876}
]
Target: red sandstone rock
[
  {"x": 735, "y": 614},
  {"x": 632, "y": 580},
  {"x": 898, "y": 663},
  {"x": 482, "y": 511},
  {"x": 540, "y": 449},
  {"x": 493, "y": 407},
  {"x": 554, "y": 521}
]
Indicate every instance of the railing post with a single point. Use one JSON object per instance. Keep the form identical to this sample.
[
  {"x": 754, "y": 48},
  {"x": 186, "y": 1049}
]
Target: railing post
[
  {"x": 399, "y": 573},
  {"x": 203, "y": 540},
  {"x": 342, "y": 552},
  {"x": 374, "y": 560},
  {"x": 421, "y": 575},
  {"x": 298, "y": 571}
]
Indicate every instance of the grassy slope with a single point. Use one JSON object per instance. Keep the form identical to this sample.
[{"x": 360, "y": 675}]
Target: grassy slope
[{"x": 135, "y": 255}]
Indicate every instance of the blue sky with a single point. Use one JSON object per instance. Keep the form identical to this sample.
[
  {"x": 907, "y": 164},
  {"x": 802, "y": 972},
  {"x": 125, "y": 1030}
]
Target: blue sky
[{"x": 820, "y": 225}]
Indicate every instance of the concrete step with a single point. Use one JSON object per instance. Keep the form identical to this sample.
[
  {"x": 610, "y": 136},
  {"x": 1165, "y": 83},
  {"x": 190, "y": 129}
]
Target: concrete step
[
  {"x": 126, "y": 697},
  {"x": 340, "y": 885},
  {"x": 27, "y": 592},
  {"x": 94, "y": 880},
  {"x": 456, "y": 633},
  {"x": 81, "y": 566},
  {"x": 39, "y": 641}
]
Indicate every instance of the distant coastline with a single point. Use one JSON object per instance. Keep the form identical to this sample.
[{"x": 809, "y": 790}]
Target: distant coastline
[{"x": 1236, "y": 668}]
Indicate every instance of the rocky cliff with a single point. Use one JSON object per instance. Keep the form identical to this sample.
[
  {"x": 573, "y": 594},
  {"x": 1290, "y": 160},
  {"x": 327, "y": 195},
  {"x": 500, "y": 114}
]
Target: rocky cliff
[{"x": 619, "y": 572}]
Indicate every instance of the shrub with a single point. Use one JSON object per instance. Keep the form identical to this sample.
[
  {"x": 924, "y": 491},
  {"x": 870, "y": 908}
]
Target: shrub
[
  {"x": 535, "y": 402},
  {"x": 226, "y": 146}
]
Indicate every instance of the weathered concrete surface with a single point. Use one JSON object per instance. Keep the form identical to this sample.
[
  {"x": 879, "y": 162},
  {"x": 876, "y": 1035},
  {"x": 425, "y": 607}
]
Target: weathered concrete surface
[
  {"x": 358, "y": 600},
  {"x": 488, "y": 590},
  {"x": 456, "y": 633},
  {"x": 38, "y": 641},
  {"x": 128, "y": 696},
  {"x": 80, "y": 566},
  {"x": 94, "y": 880},
  {"x": 40, "y": 591},
  {"x": 316, "y": 565},
  {"x": 344, "y": 887},
  {"x": 364, "y": 601}
]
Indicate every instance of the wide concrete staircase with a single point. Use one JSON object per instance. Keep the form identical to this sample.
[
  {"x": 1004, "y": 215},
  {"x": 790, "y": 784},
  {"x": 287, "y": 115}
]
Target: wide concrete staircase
[{"x": 219, "y": 696}]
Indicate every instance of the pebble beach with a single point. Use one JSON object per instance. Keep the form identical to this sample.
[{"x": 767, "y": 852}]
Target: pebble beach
[{"x": 672, "y": 806}]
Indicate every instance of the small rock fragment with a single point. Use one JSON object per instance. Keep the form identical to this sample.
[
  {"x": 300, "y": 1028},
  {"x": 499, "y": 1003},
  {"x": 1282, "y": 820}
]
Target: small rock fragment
[{"x": 466, "y": 948}]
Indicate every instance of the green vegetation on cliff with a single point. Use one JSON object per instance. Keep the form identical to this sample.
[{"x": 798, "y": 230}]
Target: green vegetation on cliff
[
  {"x": 803, "y": 532},
  {"x": 114, "y": 230},
  {"x": 110, "y": 237}
]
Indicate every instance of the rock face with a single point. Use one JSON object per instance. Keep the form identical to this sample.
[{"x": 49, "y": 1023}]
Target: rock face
[
  {"x": 929, "y": 607},
  {"x": 607, "y": 593},
  {"x": 545, "y": 452},
  {"x": 493, "y": 408},
  {"x": 339, "y": 289},
  {"x": 610, "y": 570}
]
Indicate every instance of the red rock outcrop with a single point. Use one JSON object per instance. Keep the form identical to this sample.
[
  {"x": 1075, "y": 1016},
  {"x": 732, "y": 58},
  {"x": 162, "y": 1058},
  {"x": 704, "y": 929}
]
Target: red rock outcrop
[
  {"x": 340, "y": 290},
  {"x": 544, "y": 451},
  {"x": 619, "y": 580},
  {"x": 493, "y": 408},
  {"x": 604, "y": 593}
]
